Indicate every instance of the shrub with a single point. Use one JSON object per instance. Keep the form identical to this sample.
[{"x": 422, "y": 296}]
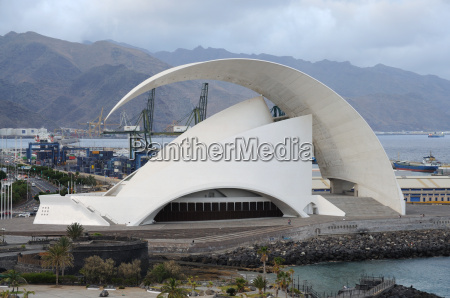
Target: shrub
[
  {"x": 117, "y": 280},
  {"x": 231, "y": 291},
  {"x": 40, "y": 278},
  {"x": 130, "y": 271},
  {"x": 163, "y": 271},
  {"x": 96, "y": 270},
  {"x": 68, "y": 279}
]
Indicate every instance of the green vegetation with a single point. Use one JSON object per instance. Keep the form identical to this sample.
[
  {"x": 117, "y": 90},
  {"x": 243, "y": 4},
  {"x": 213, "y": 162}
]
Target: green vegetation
[
  {"x": 260, "y": 283},
  {"x": 58, "y": 257},
  {"x": 171, "y": 287},
  {"x": 75, "y": 230},
  {"x": 27, "y": 293},
  {"x": 231, "y": 291},
  {"x": 62, "y": 178},
  {"x": 13, "y": 279},
  {"x": 192, "y": 282},
  {"x": 283, "y": 280},
  {"x": 97, "y": 271},
  {"x": 65, "y": 243},
  {"x": 240, "y": 284},
  {"x": 264, "y": 252},
  {"x": 131, "y": 272},
  {"x": 163, "y": 271},
  {"x": 19, "y": 191},
  {"x": 277, "y": 264},
  {"x": 40, "y": 278}
]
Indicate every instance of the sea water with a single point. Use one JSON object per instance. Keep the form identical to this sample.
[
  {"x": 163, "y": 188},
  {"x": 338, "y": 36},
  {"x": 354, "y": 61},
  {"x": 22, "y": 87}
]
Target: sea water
[
  {"x": 415, "y": 147},
  {"x": 431, "y": 275}
]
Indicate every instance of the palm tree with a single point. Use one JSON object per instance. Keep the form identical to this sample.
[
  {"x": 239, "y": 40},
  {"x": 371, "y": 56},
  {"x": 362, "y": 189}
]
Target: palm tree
[
  {"x": 27, "y": 293},
  {"x": 283, "y": 279},
  {"x": 240, "y": 284},
  {"x": 264, "y": 252},
  {"x": 171, "y": 287},
  {"x": 14, "y": 279},
  {"x": 276, "y": 286},
  {"x": 192, "y": 283},
  {"x": 65, "y": 243},
  {"x": 58, "y": 257},
  {"x": 277, "y": 262},
  {"x": 260, "y": 283},
  {"x": 75, "y": 230},
  {"x": 291, "y": 280}
]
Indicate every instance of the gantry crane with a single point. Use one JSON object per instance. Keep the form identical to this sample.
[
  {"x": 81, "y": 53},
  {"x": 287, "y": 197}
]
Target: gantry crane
[
  {"x": 97, "y": 126},
  {"x": 198, "y": 114},
  {"x": 278, "y": 114},
  {"x": 142, "y": 134}
]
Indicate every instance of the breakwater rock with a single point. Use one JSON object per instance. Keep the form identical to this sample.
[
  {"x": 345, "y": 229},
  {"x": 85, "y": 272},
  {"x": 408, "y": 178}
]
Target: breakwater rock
[
  {"x": 399, "y": 291},
  {"x": 352, "y": 247}
]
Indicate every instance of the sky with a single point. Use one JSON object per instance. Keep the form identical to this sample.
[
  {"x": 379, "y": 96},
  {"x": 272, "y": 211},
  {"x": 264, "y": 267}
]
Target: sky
[{"x": 412, "y": 35}]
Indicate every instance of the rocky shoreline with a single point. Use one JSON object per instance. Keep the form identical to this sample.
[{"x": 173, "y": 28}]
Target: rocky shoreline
[
  {"x": 346, "y": 248},
  {"x": 399, "y": 291}
]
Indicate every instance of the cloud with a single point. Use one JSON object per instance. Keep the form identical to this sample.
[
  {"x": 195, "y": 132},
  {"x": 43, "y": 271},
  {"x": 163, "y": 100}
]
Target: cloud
[{"x": 409, "y": 34}]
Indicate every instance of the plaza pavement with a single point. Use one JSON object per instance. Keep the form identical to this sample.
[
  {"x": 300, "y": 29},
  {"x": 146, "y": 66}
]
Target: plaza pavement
[
  {"x": 24, "y": 227},
  {"x": 50, "y": 291}
]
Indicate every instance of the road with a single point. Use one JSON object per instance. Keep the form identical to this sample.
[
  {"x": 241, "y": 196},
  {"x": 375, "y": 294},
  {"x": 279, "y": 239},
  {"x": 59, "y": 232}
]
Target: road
[{"x": 36, "y": 185}]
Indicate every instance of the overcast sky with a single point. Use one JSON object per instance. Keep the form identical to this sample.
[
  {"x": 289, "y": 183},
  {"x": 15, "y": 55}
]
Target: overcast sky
[{"x": 409, "y": 34}]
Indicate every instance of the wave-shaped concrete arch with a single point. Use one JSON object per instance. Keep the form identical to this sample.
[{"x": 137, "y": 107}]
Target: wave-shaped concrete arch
[{"x": 347, "y": 150}]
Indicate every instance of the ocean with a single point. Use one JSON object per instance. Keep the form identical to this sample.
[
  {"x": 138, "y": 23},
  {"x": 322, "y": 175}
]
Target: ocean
[
  {"x": 426, "y": 274},
  {"x": 415, "y": 147}
]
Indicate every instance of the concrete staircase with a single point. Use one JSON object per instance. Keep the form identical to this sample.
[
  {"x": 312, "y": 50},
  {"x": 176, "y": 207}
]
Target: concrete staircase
[
  {"x": 225, "y": 238},
  {"x": 359, "y": 206}
]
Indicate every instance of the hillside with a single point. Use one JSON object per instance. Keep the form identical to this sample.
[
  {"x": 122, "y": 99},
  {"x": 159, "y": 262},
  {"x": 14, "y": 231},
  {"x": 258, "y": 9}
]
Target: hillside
[
  {"x": 50, "y": 82},
  {"x": 390, "y": 99},
  {"x": 69, "y": 83}
]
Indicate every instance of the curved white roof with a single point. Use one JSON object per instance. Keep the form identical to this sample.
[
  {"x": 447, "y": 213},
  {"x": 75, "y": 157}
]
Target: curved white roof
[{"x": 345, "y": 146}]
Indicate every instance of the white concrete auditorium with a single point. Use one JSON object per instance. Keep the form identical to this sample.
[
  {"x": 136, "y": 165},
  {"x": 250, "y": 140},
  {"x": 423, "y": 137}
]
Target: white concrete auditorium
[{"x": 240, "y": 163}]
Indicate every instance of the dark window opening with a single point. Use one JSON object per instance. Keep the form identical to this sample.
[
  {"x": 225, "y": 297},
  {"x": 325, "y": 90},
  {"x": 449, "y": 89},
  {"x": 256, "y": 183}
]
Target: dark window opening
[{"x": 217, "y": 211}]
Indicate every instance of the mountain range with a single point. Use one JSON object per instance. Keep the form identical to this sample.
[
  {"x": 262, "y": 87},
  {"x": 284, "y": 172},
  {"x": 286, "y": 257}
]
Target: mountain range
[{"x": 55, "y": 83}]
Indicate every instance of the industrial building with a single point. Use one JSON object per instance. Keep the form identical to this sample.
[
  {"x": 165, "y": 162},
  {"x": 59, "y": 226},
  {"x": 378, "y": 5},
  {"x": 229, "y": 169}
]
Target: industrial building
[
  {"x": 415, "y": 189},
  {"x": 21, "y": 132}
]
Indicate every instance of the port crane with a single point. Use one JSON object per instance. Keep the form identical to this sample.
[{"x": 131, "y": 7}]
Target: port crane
[
  {"x": 140, "y": 137},
  {"x": 278, "y": 114},
  {"x": 197, "y": 115},
  {"x": 97, "y": 126}
]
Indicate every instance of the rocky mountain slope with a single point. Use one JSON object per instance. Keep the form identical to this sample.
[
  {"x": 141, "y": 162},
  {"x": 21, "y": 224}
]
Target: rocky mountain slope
[
  {"x": 390, "y": 99},
  {"x": 69, "y": 83},
  {"x": 50, "y": 82}
]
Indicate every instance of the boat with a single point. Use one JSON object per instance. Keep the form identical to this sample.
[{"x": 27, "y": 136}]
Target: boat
[
  {"x": 429, "y": 164},
  {"x": 436, "y": 135},
  {"x": 414, "y": 167}
]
